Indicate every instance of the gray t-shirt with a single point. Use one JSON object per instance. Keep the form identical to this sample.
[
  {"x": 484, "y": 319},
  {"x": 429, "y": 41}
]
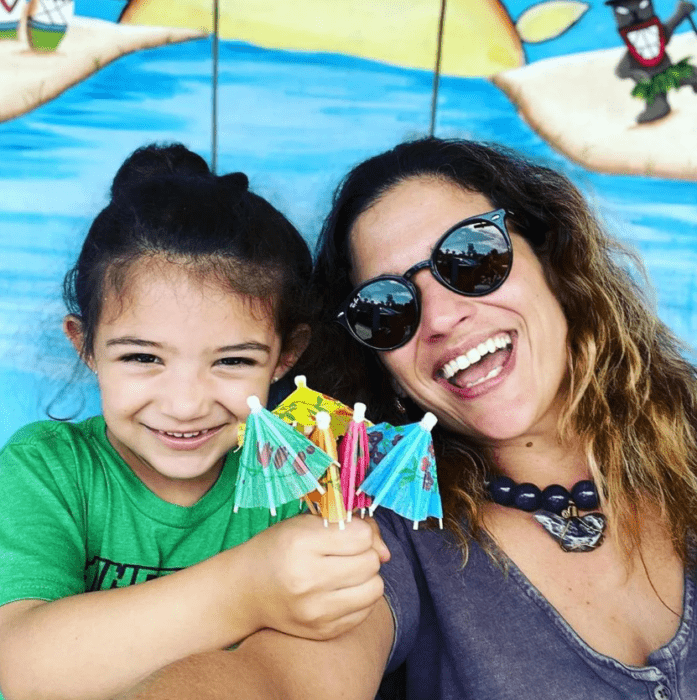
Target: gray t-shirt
[{"x": 475, "y": 633}]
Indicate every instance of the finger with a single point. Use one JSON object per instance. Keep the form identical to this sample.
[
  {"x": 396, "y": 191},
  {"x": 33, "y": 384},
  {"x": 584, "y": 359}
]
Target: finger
[
  {"x": 340, "y": 626},
  {"x": 346, "y": 572},
  {"x": 349, "y": 601},
  {"x": 378, "y": 543},
  {"x": 356, "y": 537}
]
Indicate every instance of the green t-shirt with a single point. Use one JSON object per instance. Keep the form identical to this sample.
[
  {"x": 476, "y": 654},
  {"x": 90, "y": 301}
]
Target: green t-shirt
[{"x": 75, "y": 518}]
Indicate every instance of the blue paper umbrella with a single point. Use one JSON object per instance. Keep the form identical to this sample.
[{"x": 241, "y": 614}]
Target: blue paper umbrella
[
  {"x": 403, "y": 470},
  {"x": 277, "y": 464}
]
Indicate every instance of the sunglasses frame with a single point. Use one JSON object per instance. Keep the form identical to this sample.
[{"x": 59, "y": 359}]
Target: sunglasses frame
[{"x": 496, "y": 218}]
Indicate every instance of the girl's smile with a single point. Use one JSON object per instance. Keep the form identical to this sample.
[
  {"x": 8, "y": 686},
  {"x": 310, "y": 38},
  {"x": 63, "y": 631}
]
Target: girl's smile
[
  {"x": 176, "y": 359},
  {"x": 187, "y": 440}
]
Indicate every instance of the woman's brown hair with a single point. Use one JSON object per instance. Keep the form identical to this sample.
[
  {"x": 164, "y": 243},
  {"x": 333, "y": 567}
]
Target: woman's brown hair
[{"x": 631, "y": 397}]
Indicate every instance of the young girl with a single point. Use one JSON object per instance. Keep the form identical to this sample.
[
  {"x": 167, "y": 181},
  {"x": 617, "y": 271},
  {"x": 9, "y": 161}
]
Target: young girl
[{"x": 189, "y": 295}]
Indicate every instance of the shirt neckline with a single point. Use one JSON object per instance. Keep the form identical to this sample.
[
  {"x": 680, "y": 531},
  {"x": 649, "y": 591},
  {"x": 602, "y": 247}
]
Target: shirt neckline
[
  {"x": 154, "y": 507},
  {"x": 650, "y": 672}
]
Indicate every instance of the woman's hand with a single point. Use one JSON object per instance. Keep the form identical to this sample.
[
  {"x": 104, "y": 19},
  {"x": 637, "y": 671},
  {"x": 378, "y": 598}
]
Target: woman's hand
[{"x": 313, "y": 581}]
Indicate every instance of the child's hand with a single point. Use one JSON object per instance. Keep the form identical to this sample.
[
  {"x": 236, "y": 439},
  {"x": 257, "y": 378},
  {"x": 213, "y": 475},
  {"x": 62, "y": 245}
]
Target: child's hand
[{"x": 313, "y": 581}]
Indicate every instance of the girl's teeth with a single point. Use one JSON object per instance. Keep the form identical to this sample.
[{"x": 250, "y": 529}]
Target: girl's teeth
[
  {"x": 491, "y": 345},
  {"x": 186, "y": 435}
]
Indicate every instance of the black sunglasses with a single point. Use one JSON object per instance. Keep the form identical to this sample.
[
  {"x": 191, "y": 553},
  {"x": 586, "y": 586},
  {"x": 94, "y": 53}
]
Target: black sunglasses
[{"x": 472, "y": 258}]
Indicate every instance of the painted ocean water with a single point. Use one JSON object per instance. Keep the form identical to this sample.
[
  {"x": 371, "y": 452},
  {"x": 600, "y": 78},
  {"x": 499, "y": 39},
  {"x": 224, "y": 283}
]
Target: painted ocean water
[{"x": 294, "y": 123}]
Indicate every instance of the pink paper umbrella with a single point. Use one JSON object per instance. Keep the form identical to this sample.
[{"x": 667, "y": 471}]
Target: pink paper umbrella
[{"x": 354, "y": 459}]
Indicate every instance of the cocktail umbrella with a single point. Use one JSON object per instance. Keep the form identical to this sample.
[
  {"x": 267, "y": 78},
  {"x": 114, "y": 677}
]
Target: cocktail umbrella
[
  {"x": 331, "y": 501},
  {"x": 300, "y": 407},
  {"x": 277, "y": 463},
  {"x": 403, "y": 470},
  {"x": 353, "y": 460}
]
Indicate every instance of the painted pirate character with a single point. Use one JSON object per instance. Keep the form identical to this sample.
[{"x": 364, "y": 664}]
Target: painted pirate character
[{"x": 646, "y": 61}]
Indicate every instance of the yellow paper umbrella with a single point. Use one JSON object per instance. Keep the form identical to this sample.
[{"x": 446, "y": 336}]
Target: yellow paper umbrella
[{"x": 301, "y": 407}]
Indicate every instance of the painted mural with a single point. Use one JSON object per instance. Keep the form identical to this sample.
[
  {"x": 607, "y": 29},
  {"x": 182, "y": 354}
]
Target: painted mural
[{"x": 604, "y": 91}]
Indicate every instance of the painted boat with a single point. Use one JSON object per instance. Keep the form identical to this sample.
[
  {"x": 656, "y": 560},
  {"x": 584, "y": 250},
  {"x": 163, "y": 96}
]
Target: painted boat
[
  {"x": 10, "y": 16},
  {"x": 47, "y": 23}
]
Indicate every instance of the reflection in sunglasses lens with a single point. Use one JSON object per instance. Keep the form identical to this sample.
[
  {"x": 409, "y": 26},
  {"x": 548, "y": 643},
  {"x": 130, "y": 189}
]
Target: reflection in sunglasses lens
[
  {"x": 383, "y": 313},
  {"x": 473, "y": 259}
]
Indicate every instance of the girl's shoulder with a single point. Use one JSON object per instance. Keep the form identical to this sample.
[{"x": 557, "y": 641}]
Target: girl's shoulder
[
  {"x": 58, "y": 438},
  {"x": 35, "y": 433}
]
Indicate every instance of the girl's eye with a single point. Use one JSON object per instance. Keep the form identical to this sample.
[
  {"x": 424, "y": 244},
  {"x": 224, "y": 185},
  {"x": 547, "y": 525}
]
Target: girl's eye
[
  {"x": 140, "y": 358},
  {"x": 237, "y": 362}
]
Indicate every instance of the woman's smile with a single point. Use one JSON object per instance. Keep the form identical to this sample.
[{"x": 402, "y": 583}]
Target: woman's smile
[
  {"x": 490, "y": 365},
  {"x": 478, "y": 364}
]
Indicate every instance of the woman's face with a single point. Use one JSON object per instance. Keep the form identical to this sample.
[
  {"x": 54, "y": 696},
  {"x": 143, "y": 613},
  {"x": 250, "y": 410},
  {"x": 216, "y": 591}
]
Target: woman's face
[{"x": 511, "y": 392}]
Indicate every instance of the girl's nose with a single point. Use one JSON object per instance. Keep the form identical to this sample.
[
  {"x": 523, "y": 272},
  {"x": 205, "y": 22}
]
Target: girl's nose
[
  {"x": 185, "y": 396},
  {"x": 441, "y": 308}
]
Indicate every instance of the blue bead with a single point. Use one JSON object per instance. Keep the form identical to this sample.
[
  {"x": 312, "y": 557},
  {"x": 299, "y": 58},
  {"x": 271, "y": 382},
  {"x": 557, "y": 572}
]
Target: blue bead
[
  {"x": 585, "y": 495},
  {"x": 501, "y": 490},
  {"x": 527, "y": 497},
  {"x": 555, "y": 498}
]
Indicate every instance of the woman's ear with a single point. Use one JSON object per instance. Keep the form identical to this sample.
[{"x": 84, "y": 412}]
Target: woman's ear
[
  {"x": 72, "y": 327},
  {"x": 295, "y": 347}
]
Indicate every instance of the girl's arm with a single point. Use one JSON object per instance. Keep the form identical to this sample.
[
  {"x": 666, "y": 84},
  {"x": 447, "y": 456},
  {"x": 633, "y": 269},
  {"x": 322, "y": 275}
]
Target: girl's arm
[
  {"x": 297, "y": 576},
  {"x": 273, "y": 666}
]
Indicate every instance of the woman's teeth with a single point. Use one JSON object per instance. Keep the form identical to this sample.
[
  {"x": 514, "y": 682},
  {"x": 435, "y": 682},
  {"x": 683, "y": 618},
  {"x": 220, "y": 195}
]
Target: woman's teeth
[{"x": 472, "y": 356}]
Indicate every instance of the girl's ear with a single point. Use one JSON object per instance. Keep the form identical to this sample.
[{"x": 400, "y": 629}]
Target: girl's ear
[
  {"x": 72, "y": 327},
  {"x": 296, "y": 346}
]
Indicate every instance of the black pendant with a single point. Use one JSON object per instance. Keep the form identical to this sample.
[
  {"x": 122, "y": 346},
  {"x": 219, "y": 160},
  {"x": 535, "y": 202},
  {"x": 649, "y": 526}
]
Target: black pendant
[{"x": 573, "y": 532}]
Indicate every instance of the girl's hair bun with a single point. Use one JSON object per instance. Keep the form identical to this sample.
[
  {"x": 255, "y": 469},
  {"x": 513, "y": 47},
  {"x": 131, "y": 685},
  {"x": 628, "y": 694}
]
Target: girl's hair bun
[
  {"x": 155, "y": 162},
  {"x": 232, "y": 188},
  {"x": 235, "y": 182},
  {"x": 166, "y": 203}
]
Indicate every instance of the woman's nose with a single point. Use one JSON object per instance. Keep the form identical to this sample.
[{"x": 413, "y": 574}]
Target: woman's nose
[{"x": 441, "y": 308}]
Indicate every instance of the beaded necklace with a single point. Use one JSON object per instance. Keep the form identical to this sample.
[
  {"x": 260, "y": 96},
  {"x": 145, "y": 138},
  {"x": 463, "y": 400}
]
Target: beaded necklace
[{"x": 556, "y": 509}]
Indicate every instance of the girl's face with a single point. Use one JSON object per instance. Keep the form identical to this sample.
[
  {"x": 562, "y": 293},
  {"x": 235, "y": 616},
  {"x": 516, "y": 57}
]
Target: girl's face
[
  {"x": 176, "y": 360},
  {"x": 510, "y": 392}
]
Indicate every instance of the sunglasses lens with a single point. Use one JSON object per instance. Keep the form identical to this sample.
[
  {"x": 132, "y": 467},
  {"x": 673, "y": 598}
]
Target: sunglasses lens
[
  {"x": 383, "y": 314},
  {"x": 473, "y": 259}
]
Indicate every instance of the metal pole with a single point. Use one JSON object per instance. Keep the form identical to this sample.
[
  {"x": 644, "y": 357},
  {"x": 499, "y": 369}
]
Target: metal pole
[
  {"x": 214, "y": 106},
  {"x": 436, "y": 72}
]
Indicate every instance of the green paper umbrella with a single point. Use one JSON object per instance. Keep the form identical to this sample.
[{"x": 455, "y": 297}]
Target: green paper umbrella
[{"x": 277, "y": 464}]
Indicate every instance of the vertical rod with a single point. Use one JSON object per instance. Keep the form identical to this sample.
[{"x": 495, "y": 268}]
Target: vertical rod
[
  {"x": 214, "y": 106},
  {"x": 436, "y": 71}
]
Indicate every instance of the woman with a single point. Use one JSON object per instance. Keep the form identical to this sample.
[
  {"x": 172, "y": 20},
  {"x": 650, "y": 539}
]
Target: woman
[{"x": 517, "y": 327}]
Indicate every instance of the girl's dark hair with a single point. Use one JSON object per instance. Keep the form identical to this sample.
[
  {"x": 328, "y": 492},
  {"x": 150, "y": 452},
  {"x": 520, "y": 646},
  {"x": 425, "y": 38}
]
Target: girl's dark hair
[
  {"x": 166, "y": 204},
  {"x": 631, "y": 397}
]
